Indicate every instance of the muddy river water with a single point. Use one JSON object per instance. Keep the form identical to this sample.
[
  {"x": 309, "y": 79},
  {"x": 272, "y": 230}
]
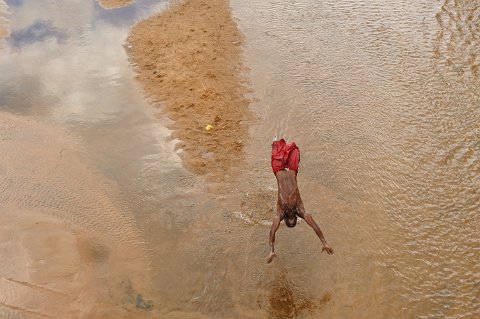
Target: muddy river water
[{"x": 98, "y": 218}]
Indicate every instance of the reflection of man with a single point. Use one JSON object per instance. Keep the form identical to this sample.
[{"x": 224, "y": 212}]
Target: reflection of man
[{"x": 285, "y": 159}]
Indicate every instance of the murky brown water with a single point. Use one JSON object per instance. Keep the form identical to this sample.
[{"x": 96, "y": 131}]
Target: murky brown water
[
  {"x": 383, "y": 99},
  {"x": 381, "y": 96}
]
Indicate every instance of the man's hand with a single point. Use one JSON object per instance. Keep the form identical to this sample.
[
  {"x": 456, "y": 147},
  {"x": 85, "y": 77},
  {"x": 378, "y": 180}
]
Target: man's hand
[
  {"x": 328, "y": 249},
  {"x": 270, "y": 257},
  {"x": 273, "y": 230}
]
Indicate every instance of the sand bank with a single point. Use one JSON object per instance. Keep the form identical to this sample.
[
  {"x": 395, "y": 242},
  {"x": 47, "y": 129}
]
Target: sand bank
[
  {"x": 112, "y": 4},
  {"x": 71, "y": 252},
  {"x": 188, "y": 59}
]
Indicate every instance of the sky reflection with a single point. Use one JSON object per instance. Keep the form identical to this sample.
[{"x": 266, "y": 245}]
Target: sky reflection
[
  {"x": 38, "y": 31},
  {"x": 15, "y": 3},
  {"x": 61, "y": 55},
  {"x": 65, "y": 62}
]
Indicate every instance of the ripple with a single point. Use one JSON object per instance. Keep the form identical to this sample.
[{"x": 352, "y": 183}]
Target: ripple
[
  {"x": 382, "y": 98},
  {"x": 42, "y": 170},
  {"x": 60, "y": 228}
]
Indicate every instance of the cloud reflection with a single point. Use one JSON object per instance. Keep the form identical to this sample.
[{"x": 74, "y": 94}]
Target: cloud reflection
[
  {"x": 73, "y": 59},
  {"x": 15, "y": 3},
  {"x": 38, "y": 31}
]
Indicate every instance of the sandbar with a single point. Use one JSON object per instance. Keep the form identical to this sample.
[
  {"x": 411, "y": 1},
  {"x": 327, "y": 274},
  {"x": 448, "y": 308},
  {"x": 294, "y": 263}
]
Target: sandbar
[{"x": 189, "y": 61}]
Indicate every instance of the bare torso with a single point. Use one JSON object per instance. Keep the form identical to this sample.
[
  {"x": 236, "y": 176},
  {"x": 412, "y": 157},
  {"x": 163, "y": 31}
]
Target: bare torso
[{"x": 288, "y": 194}]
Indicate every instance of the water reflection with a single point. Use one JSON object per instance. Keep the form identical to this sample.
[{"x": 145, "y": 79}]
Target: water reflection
[
  {"x": 65, "y": 66},
  {"x": 285, "y": 301},
  {"x": 84, "y": 52},
  {"x": 4, "y": 31},
  {"x": 37, "y": 32},
  {"x": 15, "y": 3}
]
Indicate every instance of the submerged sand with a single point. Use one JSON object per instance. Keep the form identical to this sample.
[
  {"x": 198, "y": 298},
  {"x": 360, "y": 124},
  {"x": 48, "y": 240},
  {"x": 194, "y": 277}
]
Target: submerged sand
[
  {"x": 70, "y": 252},
  {"x": 113, "y": 4},
  {"x": 4, "y": 32},
  {"x": 188, "y": 59}
]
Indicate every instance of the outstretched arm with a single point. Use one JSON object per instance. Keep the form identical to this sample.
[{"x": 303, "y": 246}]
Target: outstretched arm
[
  {"x": 311, "y": 222},
  {"x": 273, "y": 230}
]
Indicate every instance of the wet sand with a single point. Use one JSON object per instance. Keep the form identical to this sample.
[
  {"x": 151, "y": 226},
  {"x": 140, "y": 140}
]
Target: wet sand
[
  {"x": 113, "y": 4},
  {"x": 188, "y": 60},
  {"x": 71, "y": 252},
  {"x": 4, "y": 32}
]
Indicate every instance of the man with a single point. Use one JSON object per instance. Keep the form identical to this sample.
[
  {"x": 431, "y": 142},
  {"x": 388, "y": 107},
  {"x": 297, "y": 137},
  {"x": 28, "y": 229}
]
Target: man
[{"x": 285, "y": 159}]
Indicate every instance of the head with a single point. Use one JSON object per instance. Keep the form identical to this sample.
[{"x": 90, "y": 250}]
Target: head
[{"x": 290, "y": 217}]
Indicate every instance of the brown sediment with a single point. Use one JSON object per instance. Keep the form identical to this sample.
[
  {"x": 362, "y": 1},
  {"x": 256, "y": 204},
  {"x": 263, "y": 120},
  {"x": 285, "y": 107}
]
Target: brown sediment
[
  {"x": 4, "y": 31},
  {"x": 112, "y": 4},
  {"x": 72, "y": 253},
  {"x": 188, "y": 59}
]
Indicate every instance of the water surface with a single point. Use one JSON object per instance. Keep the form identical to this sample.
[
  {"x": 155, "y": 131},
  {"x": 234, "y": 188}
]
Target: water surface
[{"x": 382, "y": 98}]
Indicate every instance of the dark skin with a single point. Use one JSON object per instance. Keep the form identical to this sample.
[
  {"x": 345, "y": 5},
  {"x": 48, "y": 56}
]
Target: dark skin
[{"x": 289, "y": 207}]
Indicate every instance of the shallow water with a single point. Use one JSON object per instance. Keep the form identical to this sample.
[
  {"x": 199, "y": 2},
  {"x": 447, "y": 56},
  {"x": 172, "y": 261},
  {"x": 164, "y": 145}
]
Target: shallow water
[
  {"x": 75, "y": 134},
  {"x": 382, "y": 99}
]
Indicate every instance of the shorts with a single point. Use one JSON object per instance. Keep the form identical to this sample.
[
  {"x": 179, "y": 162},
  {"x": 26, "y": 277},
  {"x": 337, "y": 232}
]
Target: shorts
[{"x": 285, "y": 156}]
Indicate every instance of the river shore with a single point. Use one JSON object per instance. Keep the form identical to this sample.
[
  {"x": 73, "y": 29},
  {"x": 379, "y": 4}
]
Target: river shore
[{"x": 188, "y": 60}]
